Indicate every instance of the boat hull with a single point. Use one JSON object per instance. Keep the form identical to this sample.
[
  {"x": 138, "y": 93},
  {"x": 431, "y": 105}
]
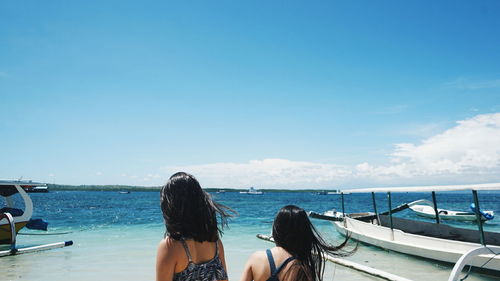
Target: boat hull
[
  {"x": 5, "y": 237},
  {"x": 412, "y": 244}
]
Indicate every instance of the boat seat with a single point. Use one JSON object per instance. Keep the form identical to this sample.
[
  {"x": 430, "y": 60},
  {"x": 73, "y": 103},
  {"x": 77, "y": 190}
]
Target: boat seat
[{"x": 13, "y": 211}]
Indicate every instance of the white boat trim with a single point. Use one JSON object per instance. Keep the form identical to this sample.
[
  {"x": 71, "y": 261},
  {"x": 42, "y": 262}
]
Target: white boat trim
[{"x": 483, "y": 186}]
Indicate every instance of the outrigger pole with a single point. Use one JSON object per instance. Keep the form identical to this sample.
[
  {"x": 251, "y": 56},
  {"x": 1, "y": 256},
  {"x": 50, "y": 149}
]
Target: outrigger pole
[{"x": 16, "y": 251}]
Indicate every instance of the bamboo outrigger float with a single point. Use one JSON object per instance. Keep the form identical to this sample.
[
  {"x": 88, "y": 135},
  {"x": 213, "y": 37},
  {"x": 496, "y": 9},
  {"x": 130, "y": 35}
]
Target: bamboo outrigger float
[
  {"x": 436, "y": 241},
  {"x": 13, "y": 219}
]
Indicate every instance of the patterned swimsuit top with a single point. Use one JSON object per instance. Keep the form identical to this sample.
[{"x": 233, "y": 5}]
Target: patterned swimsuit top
[{"x": 211, "y": 270}]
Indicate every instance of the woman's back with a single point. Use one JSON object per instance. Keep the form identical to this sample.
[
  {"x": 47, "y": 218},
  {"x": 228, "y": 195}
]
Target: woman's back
[
  {"x": 295, "y": 236},
  {"x": 192, "y": 260},
  {"x": 192, "y": 249},
  {"x": 258, "y": 267}
]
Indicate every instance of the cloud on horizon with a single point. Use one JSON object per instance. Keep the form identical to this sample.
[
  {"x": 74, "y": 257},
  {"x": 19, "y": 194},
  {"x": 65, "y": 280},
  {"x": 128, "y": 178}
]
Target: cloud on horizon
[
  {"x": 471, "y": 84},
  {"x": 466, "y": 153}
]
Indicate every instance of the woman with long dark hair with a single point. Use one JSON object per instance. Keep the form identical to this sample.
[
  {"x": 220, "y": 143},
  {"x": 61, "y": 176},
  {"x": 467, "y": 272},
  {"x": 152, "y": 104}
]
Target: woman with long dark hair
[
  {"x": 191, "y": 249},
  {"x": 298, "y": 253}
]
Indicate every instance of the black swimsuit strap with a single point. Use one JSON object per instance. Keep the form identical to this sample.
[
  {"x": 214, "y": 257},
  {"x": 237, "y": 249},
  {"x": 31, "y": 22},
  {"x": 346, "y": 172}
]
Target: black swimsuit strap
[
  {"x": 275, "y": 271},
  {"x": 186, "y": 249},
  {"x": 271, "y": 261},
  {"x": 284, "y": 264}
]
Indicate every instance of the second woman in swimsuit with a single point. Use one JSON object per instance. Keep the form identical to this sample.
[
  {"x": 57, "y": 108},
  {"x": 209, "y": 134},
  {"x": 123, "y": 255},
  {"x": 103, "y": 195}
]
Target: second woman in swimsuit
[
  {"x": 298, "y": 252},
  {"x": 191, "y": 249}
]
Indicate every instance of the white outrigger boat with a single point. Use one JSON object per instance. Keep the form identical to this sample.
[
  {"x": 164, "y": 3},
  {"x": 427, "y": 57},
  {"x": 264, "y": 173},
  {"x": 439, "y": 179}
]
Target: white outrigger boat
[
  {"x": 252, "y": 191},
  {"x": 13, "y": 219},
  {"x": 435, "y": 241},
  {"x": 424, "y": 208}
]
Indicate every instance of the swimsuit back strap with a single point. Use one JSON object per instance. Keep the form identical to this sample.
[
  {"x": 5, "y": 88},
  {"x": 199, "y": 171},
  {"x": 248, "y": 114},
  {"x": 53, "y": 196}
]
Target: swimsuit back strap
[
  {"x": 186, "y": 249},
  {"x": 284, "y": 264},
  {"x": 216, "y": 248},
  {"x": 271, "y": 261}
]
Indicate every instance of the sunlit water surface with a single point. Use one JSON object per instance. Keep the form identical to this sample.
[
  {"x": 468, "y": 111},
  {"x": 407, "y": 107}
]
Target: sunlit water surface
[{"x": 115, "y": 235}]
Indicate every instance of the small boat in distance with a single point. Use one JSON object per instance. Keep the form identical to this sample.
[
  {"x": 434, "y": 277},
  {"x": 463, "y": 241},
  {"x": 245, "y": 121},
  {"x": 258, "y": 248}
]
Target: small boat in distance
[
  {"x": 252, "y": 191},
  {"x": 424, "y": 208},
  {"x": 36, "y": 187},
  {"x": 124, "y": 192},
  {"x": 336, "y": 192}
]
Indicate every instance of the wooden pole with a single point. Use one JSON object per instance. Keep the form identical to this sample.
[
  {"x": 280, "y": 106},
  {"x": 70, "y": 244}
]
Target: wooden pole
[
  {"x": 375, "y": 208},
  {"x": 478, "y": 217},
  {"x": 342, "y": 199},
  {"x": 390, "y": 208},
  {"x": 434, "y": 201}
]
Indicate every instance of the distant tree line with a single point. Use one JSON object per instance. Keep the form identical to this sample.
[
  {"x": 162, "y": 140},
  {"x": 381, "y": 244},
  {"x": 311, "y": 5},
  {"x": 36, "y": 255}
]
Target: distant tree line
[{"x": 119, "y": 187}]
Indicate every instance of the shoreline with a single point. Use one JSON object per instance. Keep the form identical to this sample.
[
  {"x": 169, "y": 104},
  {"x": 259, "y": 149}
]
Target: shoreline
[{"x": 64, "y": 187}]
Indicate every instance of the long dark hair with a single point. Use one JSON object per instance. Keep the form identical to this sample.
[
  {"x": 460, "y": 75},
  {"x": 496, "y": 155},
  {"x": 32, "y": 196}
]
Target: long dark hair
[
  {"x": 189, "y": 212},
  {"x": 294, "y": 232}
]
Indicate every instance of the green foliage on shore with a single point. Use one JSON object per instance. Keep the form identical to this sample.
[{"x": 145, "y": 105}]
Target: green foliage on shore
[{"x": 117, "y": 187}]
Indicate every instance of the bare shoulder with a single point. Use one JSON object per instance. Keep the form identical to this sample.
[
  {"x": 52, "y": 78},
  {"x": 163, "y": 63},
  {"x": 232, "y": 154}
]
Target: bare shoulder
[
  {"x": 257, "y": 257},
  {"x": 168, "y": 247}
]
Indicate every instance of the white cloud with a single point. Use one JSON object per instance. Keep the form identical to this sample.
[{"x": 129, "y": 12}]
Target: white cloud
[
  {"x": 273, "y": 173},
  {"x": 423, "y": 130},
  {"x": 471, "y": 84},
  {"x": 466, "y": 153}
]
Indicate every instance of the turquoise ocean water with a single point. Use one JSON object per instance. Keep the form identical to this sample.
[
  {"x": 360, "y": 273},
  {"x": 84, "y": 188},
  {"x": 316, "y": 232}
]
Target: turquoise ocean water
[{"x": 115, "y": 235}]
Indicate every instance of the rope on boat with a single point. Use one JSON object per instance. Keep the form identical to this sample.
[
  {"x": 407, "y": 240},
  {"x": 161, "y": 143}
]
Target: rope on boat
[{"x": 356, "y": 266}]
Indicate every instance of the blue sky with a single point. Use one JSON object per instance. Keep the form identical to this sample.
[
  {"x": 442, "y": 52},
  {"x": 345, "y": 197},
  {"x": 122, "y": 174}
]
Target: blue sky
[{"x": 275, "y": 94}]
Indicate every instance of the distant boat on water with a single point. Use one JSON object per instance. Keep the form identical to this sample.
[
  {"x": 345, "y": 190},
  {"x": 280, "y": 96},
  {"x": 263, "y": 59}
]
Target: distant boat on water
[
  {"x": 124, "y": 192},
  {"x": 424, "y": 208},
  {"x": 252, "y": 191},
  {"x": 337, "y": 192},
  {"x": 35, "y": 187}
]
